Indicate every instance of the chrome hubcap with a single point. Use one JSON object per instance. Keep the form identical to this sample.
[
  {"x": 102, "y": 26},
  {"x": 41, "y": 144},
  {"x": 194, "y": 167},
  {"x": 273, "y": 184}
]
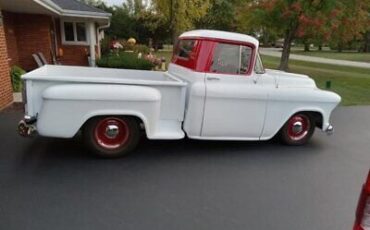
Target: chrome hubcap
[
  {"x": 112, "y": 131},
  {"x": 297, "y": 127}
]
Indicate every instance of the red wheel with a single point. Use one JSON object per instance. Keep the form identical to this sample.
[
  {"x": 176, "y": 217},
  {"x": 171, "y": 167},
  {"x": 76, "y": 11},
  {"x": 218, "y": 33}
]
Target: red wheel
[
  {"x": 111, "y": 136},
  {"x": 111, "y": 133},
  {"x": 298, "y": 129}
]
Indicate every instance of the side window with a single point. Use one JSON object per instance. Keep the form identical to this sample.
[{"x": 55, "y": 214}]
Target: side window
[
  {"x": 184, "y": 48},
  {"x": 258, "y": 68},
  {"x": 231, "y": 59},
  {"x": 245, "y": 58}
]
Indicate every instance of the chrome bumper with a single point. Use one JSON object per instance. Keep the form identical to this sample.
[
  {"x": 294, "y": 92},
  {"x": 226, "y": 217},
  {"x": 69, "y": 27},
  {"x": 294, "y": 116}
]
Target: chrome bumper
[
  {"x": 329, "y": 130},
  {"x": 27, "y": 127}
]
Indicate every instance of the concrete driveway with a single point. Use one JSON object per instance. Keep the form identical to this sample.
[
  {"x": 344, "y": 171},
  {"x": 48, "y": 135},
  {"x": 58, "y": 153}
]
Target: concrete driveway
[{"x": 55, "y": 184}]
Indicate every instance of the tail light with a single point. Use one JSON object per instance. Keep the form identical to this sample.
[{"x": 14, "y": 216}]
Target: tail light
[
  {"x": 24, "y": 96},
  {"x": 362, "y": 221}
]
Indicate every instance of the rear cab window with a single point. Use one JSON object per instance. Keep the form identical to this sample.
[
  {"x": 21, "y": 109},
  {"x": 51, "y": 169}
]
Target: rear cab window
[
  {"x": 184, "y": 48},
  {"x": 185, "y": 53}
]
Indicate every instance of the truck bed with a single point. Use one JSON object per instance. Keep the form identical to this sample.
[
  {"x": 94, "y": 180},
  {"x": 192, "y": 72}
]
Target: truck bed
[
  {"x": 102, "y": 75},
  {"x": 172, "y": 92}
]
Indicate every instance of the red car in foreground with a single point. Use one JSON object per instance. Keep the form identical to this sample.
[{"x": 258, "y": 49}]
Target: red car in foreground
[{"x": 363, "y": 208}]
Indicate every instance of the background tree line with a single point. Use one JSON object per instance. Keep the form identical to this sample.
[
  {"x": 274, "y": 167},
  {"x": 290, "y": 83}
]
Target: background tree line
[{"x": 341, "y": 24}]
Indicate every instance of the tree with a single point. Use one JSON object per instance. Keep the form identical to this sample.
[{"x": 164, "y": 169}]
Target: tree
[
  {"x": 220, "y": 15},
  {"x": 152, "y": 27},
  {"x": 251, "y": 19},
  {"x": 181, "y": 14},
  {"x": 95, "y": 3},
  {"x": 285, "y": 17},
  {"x": 314, "y": 29},
  {"x": 123, "y": 24},
  {"x": 350, "y": 21},
  {"x": 134, "y": 7}
]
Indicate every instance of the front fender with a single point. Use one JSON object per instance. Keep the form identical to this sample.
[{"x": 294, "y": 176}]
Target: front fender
[
  {"x": 285, "y": 102},
  {"x": 65, "y": 108}
]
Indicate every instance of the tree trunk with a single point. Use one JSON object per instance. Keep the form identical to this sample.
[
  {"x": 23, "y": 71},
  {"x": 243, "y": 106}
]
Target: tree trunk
[
  {"x": 173, "y": 21},
  {"x": 265, "y": 38},
  {"x": 340, "y": 47},
  {"x": 320, "y": 47},
  {"x": 289, "y": 35},
  {"x": 265, "y": 41},
  {"x": 367, "y": 42},
  {"x": 150, "y": 43},
  {"x": 306, "y": 47},
  {"x": 174, "y": 37}
]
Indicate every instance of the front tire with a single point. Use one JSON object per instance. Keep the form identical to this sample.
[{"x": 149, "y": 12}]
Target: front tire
[
  {"x": 111, "y": 136},
  {"x": 298, "y": 130}
]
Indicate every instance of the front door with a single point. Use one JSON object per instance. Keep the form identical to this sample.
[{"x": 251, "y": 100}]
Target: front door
[{"x": 235, "y": 100}]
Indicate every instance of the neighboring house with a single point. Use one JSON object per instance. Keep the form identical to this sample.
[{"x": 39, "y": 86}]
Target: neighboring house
[{"x": 65, "y": 31}]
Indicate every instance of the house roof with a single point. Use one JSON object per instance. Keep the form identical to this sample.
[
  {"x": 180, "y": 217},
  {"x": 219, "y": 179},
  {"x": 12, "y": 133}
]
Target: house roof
[
  {"x": 63, "y": 8},
  {"x": 76, "y": 6}
]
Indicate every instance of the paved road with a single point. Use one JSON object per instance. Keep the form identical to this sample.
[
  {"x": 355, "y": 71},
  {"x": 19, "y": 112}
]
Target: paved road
[
  {"x": 55, "y": 184},
  {"x": 276, "y": 52}
]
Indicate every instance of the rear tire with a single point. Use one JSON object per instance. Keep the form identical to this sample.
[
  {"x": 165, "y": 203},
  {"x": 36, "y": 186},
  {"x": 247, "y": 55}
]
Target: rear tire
[
  {"x": 298, "y": 130},
  {"x": 111, "y": 136}
]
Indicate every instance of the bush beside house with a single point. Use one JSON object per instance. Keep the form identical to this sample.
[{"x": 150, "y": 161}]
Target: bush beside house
[{"x": 15, "y": 74}]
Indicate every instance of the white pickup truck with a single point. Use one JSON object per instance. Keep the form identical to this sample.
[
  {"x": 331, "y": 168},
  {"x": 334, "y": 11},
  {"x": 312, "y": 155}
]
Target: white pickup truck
[{"x": 215, "y": 89}]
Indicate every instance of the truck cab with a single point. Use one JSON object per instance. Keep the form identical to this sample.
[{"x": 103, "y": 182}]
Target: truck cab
[{"x": 226, "y": 93}]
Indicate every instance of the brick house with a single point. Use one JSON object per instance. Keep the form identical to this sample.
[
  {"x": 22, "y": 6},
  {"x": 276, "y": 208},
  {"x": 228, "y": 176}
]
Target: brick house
[{"x": 65, "y": 31}]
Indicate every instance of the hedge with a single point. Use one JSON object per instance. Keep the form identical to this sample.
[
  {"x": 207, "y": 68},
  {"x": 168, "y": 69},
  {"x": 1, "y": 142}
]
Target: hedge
[{"x": 124, "y": 60}]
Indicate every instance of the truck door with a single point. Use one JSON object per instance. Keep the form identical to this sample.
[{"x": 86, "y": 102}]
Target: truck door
[{"x": 236, "y": 100}]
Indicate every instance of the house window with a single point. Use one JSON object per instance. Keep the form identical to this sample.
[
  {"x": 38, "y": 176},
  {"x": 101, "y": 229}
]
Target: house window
[
  {"x": 81, "y": 32},
  {"x": 74, "y": 33},
  {"x": 68, "y": 31}
]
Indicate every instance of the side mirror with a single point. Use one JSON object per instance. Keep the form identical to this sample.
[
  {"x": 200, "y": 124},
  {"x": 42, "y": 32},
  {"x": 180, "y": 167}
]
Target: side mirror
[{"x": 255, "y": 78}]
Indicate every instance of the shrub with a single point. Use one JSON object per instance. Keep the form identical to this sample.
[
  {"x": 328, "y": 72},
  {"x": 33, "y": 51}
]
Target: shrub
[
  {"x": 105, "y": 45},
  {"x": 15, "y": 74},
  {"x": 124, "y": 60},
  {"x": 141, "y": 49}
]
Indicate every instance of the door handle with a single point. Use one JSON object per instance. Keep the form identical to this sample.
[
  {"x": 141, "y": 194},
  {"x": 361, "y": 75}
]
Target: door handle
[{"x": 213, "y": 78}]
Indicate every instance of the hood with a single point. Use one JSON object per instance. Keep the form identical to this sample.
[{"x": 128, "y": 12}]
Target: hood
[{"x": 284, "y": 79}]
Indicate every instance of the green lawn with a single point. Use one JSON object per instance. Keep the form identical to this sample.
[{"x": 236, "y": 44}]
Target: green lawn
[
  {"x": 353, "y": 84},
  {"x": 164, "y": 53},
  {"x": 345, "y": 55}
]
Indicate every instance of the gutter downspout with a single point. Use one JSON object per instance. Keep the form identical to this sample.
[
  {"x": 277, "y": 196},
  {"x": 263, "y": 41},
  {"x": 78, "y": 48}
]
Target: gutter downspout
[
  {"x": 55, "y": 54},
  {"x": 97, "y": 36},
  {"x": 91, "y": 30}
]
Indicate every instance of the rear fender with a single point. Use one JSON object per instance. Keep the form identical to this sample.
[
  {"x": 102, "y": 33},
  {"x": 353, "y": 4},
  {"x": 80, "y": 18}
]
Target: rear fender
[{"x": 65, "y": 108}]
